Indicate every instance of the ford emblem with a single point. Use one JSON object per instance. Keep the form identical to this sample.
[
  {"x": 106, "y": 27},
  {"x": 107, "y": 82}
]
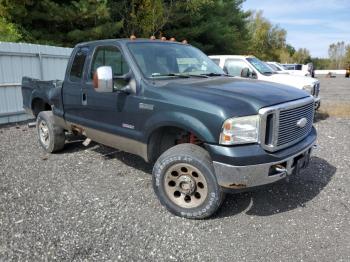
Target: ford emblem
[{"x": 302, "y": 122}]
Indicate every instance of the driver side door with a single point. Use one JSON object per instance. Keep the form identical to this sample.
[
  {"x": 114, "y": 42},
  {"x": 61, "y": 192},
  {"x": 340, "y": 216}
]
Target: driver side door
[{"x": 105, "y": 111}]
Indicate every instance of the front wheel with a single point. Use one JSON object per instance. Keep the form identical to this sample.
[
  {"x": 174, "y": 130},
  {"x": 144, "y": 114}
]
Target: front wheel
[{"x": 185, "y": 183}]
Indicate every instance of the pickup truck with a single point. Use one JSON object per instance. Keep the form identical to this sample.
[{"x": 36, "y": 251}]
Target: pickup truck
[
  {"x": 302, "y": 69},
  {"x": 280, "y": 69},
  {"x": 252, "y": 67},
  {"x": 206, "y": 133}
]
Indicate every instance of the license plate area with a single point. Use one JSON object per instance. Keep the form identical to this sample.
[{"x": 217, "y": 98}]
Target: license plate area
[{"x": 301, "y": 161}]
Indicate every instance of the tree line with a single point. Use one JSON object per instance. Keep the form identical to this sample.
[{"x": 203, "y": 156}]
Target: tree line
[{"x": 215, "y": 26}]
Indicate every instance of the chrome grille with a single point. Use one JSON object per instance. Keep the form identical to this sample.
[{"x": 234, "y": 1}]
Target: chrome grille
[
  {"x": 288, "y": 130},
  {"x": 278, "y": 124}
]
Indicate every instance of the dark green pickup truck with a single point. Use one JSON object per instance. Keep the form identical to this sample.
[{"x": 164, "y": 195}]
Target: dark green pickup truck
[{"x": 207, "y": 133}]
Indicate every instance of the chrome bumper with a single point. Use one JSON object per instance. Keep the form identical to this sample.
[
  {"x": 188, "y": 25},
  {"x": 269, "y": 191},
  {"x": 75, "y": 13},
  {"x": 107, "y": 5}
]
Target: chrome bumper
[{"x": 240, "y": 177}]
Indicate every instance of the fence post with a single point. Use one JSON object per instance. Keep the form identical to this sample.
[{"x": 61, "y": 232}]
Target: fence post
[{"x": 41, "y": 66}]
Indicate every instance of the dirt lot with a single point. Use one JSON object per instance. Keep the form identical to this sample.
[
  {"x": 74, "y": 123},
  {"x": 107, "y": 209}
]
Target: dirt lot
[
  {"x": 96, "y": 203},
  {"x": 335, "y": 95}
]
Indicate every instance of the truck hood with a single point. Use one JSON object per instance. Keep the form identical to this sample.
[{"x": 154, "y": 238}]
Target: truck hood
[
  {"x": 291, "y": 80},
  {"x": 234, "y": 95}
]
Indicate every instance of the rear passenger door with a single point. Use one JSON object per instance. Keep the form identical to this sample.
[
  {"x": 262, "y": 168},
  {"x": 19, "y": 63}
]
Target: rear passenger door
[{"x": 72, "y": 86}]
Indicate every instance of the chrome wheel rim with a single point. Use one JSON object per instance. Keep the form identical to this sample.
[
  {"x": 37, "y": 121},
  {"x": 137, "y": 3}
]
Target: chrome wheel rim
[
  {"x": 185, "y": 185},
  {"x": 44, "y": 134}
]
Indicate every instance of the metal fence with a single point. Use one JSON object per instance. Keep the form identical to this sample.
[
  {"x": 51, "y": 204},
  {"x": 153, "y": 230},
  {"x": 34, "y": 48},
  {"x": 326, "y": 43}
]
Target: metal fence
[{"x": 18, "y": 60}]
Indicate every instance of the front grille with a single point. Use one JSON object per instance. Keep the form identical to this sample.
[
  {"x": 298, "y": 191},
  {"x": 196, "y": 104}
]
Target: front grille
[
  {"x": 288, "y": 130},
  {"x": 284, "y": 125}
]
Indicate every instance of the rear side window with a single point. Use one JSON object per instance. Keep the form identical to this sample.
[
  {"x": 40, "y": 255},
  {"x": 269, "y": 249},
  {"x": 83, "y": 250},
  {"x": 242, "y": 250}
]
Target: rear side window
[
  {"x": 289, "y": 67},
  {"x": 77, "y": 69},
  {"x": 299, "y": 67}
]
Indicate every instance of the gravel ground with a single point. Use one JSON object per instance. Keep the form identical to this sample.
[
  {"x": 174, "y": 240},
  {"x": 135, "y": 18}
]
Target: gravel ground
[
  {"x": 335, "y": 89},
  {"x": 96, "y": 203}
]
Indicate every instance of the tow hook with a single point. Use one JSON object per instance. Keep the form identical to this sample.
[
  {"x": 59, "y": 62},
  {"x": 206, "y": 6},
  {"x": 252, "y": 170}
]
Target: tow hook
[{"x": 278, "y": 170}]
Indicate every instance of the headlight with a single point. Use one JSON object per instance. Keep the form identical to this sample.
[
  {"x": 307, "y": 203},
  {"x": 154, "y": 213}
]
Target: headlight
[
  {"x": 308, "y": 88},
  {"x": 240, "y": 130}
]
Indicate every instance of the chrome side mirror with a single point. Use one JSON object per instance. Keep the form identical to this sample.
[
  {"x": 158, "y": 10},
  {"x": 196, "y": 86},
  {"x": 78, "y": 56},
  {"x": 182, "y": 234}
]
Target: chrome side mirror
[
  {"x": 103, "y": 79},
  {"x": 246, "y": 72}
]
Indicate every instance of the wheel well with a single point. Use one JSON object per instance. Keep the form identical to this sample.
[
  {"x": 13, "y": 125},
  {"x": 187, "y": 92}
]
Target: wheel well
[
  {"x": 166, "y": 137},
  {"x": 39, "y": 105}
]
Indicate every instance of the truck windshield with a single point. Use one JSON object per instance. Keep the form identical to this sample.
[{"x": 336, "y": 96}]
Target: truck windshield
[
  {"x": 260, "y": 66},
  {"x": 159, "y": 60},
  {"x": 274, "y": 67},
  {"x": 280, "y": 66}
]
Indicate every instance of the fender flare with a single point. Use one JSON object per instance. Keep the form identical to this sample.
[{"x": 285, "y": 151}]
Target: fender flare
[{"x": 180, "y": 120}]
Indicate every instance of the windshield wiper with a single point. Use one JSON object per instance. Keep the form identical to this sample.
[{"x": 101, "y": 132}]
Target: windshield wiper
[
  {"x": 214, "y": 74},
  {"x": 170, "y": 74}
]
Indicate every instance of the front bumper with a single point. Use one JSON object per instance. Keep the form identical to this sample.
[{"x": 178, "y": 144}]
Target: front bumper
[{"x": 259, "y": 170}]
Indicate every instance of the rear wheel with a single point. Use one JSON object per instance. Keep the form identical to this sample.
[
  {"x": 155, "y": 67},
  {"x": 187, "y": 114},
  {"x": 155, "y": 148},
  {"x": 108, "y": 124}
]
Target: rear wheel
[
  {"x": 185, "y": 182},
  {"x": 51, "y": 137}
]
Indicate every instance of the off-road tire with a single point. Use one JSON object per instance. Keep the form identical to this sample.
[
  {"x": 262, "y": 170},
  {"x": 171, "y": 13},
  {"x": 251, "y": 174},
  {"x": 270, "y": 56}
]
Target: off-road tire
[
  {"x": 56, "y": 134},
  {"x": 194, "y": 158}
]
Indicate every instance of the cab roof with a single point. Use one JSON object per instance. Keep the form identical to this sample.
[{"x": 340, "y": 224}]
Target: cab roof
[
  {"x": 231, "y": 56},
  {"x": 127, "y": 40}
]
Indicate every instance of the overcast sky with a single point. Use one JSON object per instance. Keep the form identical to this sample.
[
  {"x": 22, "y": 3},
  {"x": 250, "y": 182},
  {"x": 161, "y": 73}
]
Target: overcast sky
[{"x": 309, "y": 23}]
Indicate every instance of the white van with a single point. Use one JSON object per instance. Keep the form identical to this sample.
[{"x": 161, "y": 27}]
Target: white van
[{"x": 252, "y": 67}]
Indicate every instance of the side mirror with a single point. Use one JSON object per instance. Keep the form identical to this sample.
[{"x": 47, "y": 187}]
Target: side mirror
[
  {"x": 254, "y": 75},
  {"x": 246, "y": 72},
  {"x": 125, "y": 83},
  {"x": 103, "y": 79}
]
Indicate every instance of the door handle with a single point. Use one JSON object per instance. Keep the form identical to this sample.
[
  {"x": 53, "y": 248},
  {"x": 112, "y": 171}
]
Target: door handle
[{"x": 84, "y": 98}]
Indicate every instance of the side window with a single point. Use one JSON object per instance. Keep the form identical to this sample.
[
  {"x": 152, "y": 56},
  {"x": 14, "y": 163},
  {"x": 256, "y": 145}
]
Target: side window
[
  {"x": 299, "y": 67},
  {"x": 77, "y": 69},
  {"x": 234, "y": 67},
  {"x": 274, "y": 67},
  {"x": 109, "y": 56}
]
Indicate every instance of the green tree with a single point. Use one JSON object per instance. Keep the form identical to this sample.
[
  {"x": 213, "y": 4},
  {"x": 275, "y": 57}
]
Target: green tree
[
  {"x": 337, "y": 55},
  {"x": 301, "y": 56},
  {"x": 266, "y": 41},
  {"x": 142, "y": 18},
  {"x": 216, "y": 27},
  {"x": 61, "y": 22},
  {"x": 290, "y": 49},
  {"x": 9, "y": 32},
  {"x": 285, "y": 57},
  {"x": 347, "y": 55},
  {"x": 321, "y": 63}
]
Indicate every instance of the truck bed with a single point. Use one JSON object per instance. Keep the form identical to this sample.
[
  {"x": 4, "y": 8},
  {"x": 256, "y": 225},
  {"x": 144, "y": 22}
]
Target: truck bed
[{"x": 37, "y": 94}]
